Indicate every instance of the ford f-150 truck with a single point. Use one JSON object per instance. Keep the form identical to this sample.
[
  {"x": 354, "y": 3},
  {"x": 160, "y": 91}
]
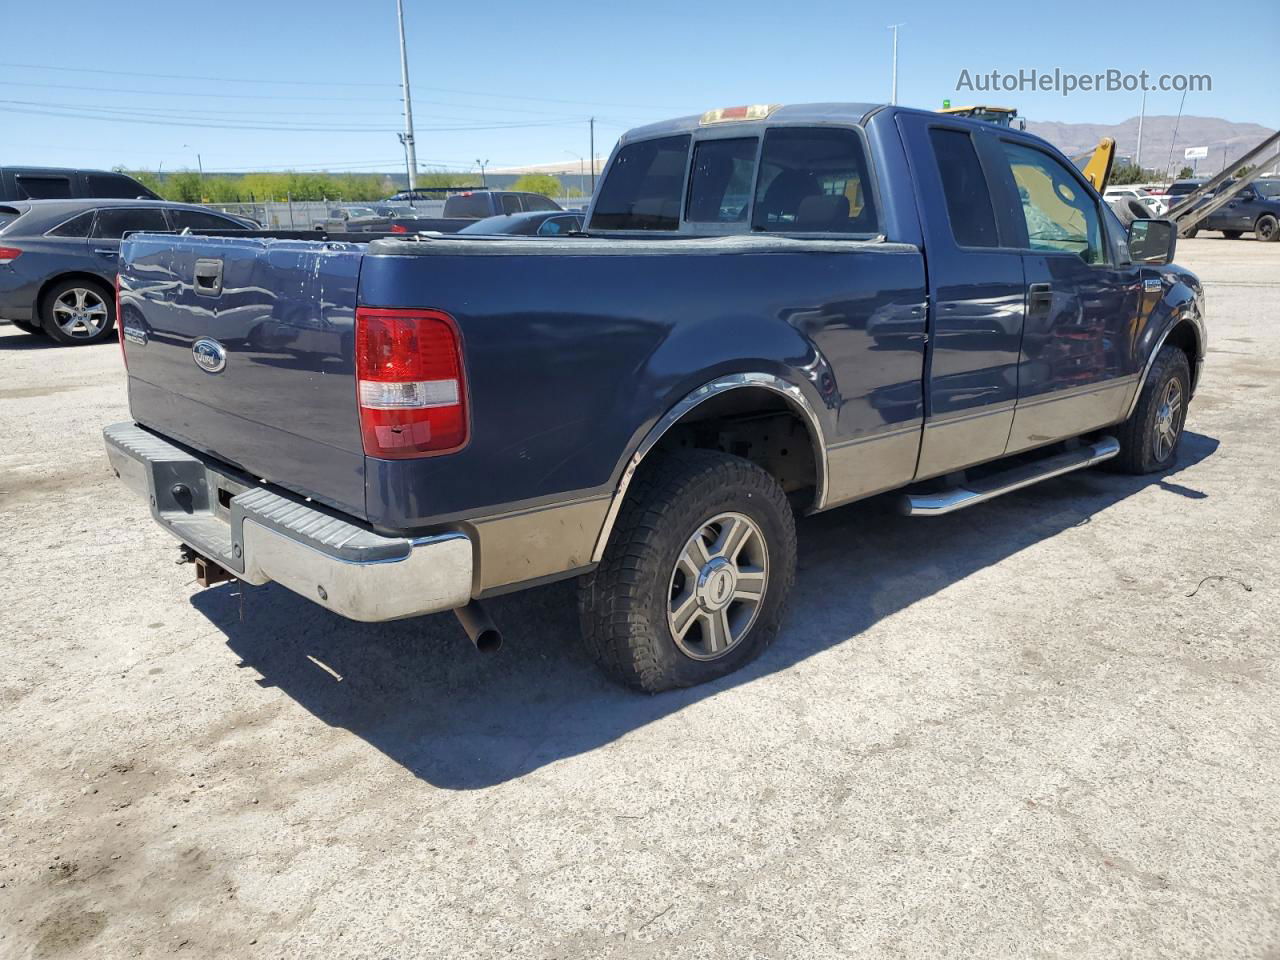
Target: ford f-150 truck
[{"x": 777, "y": 310}]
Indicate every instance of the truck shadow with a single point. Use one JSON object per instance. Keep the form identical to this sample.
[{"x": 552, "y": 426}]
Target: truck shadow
[{"x": 419, "y": 693}]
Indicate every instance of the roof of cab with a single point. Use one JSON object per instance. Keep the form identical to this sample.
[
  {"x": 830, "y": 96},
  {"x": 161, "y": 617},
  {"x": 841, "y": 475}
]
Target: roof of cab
[{"x": 787, "y": 113}]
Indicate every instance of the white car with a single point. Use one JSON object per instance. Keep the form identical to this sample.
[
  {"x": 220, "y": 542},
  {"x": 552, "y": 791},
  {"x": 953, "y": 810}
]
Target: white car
[{"x": 1156, "y": 205}]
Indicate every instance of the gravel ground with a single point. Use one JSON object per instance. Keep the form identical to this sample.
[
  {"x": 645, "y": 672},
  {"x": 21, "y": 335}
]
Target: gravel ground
[{"x": 1042, "y": 727}]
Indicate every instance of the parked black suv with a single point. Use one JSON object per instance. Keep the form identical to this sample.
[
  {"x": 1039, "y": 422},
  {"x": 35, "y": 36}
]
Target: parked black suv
[{"x": 65, "y": 183}]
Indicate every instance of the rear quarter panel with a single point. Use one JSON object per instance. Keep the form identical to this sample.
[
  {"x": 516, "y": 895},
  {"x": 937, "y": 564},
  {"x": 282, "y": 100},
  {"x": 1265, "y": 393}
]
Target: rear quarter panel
[{"x": 570, "y": 359}]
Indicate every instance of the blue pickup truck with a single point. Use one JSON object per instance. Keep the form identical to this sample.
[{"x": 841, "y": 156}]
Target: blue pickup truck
[{"x": 776, "y": 310}]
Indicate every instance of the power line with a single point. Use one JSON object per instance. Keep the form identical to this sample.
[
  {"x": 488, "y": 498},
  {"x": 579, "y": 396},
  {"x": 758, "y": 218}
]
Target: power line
[
  {"x": 184, "y": 113},
  {"x": 189, "y": 76},
  {"x": 117, "y": 116},
  {"x": 328, "y": 83}
]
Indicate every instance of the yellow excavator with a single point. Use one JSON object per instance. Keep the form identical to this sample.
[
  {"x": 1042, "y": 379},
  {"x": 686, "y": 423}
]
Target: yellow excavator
[{"x": 1098, "y": 168}]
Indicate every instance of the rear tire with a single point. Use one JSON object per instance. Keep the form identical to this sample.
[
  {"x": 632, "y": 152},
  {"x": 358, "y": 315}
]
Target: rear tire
[
  {"x": 1267, "y": 229},
  {"x": 1150, "y": 438},
  {"x": 693, "y": 582},
  {"x": 1191, "y": 233},
  {"x": 78, "y": 312},
  {"x": 1231, "y": 234}
]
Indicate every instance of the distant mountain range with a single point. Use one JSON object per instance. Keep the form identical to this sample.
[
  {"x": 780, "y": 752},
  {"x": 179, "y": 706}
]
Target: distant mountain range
[{"x": 1226, "y": 141}]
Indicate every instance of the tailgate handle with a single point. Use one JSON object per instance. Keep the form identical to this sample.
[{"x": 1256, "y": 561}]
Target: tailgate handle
[{"x": 208, "y": 278}]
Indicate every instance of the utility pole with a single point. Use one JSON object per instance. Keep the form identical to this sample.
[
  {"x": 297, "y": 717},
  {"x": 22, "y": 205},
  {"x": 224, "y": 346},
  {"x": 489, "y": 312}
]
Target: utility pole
[
  {"x": 411, "y": 153},
  {"x": 893, "y": 97},
  {"x": 1137, "y": 158},
  {"x": 593, "y": 156}
]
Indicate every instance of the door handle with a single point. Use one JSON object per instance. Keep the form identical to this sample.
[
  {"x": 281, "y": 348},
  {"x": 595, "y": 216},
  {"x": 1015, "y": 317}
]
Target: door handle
[
  {"x": 106, "y": 251},
  {"x": 1039, "y": 297},
  {"x": 208, "y": 277}
]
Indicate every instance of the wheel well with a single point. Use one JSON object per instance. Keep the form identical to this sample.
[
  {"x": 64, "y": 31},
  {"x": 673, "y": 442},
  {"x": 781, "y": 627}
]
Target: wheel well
[
  {"x": 1183, "y": 336},
  {"x": 52, "y": 282},
  {"x": 758, "y": 425}
]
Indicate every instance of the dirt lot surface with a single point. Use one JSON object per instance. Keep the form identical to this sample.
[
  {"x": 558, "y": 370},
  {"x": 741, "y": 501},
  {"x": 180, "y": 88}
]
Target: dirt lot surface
[{"x": 1048, "y": 726}]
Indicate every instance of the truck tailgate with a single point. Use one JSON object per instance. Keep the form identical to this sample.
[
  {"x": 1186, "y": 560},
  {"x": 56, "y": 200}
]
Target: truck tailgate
[{"x": 243, "y": 348}]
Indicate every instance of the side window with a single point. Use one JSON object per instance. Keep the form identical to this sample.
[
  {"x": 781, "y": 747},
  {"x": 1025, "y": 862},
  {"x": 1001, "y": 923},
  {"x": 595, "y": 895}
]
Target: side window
[
  {"x": 814, "y": 179},
  {"x": 720, "y": 182},
  {"x": 557, "y": 226},
  {"x": 114, "y": 185},
  {"x": 43, "y": 188},
  {"x": 199, "y": 220},
  {"x": 973, "y": 222},
  {"x": 643, "y": 187},
  {"x": 534, "y": 201},
  {"x": 1060, "y": 214},
  {"x": 510, "y": 203},
  {"x": 114, "y": 222},
  {"x": 77, "y": 226}
]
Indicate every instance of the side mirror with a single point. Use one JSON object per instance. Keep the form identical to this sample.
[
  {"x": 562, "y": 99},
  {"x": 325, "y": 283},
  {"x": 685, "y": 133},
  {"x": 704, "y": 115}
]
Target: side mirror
[{"x": 1152, "y": 241}]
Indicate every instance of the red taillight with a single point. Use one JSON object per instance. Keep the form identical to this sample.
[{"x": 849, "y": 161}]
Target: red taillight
[
  {"x": 399, "y": 228},
  {"x": 120, "y": 325},
  {"x": 9, "y": 254},
  {"x": 410, "y": 384}
]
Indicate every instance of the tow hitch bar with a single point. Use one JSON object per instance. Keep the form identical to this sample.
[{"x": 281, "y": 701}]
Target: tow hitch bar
[{"x": 208, "y": 572}]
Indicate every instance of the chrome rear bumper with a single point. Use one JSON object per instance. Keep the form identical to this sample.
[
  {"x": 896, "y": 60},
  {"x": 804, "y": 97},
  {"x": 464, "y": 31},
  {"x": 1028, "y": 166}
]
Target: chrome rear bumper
[{"x": 259, "y": 535}]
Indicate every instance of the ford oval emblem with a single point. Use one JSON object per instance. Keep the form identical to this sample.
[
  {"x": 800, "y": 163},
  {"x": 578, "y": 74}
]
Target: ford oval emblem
[{"x": 209, "y": 354}]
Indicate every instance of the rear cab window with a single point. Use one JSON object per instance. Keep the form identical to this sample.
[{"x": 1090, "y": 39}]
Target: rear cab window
[
  {"x": 644, "y": 185},
  {"x": 814, "y": 180},
  {"x": 720, "y": 180},
  {"x": 468, "y": 205}
]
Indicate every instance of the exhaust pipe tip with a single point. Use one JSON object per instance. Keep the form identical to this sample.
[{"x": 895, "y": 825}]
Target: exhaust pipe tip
[
  {"x": 488, "y": 641},
  {"x": 480, "y": 629}
]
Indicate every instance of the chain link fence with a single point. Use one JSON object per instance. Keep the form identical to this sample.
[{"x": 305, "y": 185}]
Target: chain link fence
[{"x": 314, "y": 214}]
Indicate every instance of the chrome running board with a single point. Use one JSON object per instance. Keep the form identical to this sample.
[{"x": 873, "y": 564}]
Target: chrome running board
[{"x": 957, "y": 498}]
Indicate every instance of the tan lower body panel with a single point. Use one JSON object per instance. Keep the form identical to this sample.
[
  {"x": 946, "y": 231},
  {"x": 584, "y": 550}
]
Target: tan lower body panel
[
  {"x": 538, "y": 542},
  {"x": 961, "y": 442},
  {"x": 871, "y": 465},
  {"x": 1068, "y": 413}
]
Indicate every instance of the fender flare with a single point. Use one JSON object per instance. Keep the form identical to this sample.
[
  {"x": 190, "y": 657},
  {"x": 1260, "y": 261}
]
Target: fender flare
[
  {"x": 734, "y": 381},
  {"x": 1197, "y": 330}
]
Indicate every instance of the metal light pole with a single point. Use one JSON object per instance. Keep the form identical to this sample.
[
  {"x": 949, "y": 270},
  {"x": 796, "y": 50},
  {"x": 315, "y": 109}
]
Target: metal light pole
[
  {"x": 410, "y": 152},
  {"x": 893, "y": 97},
  {"x": 593, "y": 156},
  {"x": 582, "y": 182},
  {"x": 1137, "y": 159},
  {"x": 484, "y": 181}
]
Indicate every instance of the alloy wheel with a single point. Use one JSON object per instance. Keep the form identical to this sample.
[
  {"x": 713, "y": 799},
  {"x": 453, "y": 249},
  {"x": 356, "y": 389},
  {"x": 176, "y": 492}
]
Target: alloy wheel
[
  {"x": 717, "y": 586},
  {"x": 80, "y": 313},
  {"x": 1168, "y": 425}
]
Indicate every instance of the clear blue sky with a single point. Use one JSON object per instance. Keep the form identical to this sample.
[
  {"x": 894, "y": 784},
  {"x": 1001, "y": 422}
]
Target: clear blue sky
[{"x": 318, "y": 79}]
